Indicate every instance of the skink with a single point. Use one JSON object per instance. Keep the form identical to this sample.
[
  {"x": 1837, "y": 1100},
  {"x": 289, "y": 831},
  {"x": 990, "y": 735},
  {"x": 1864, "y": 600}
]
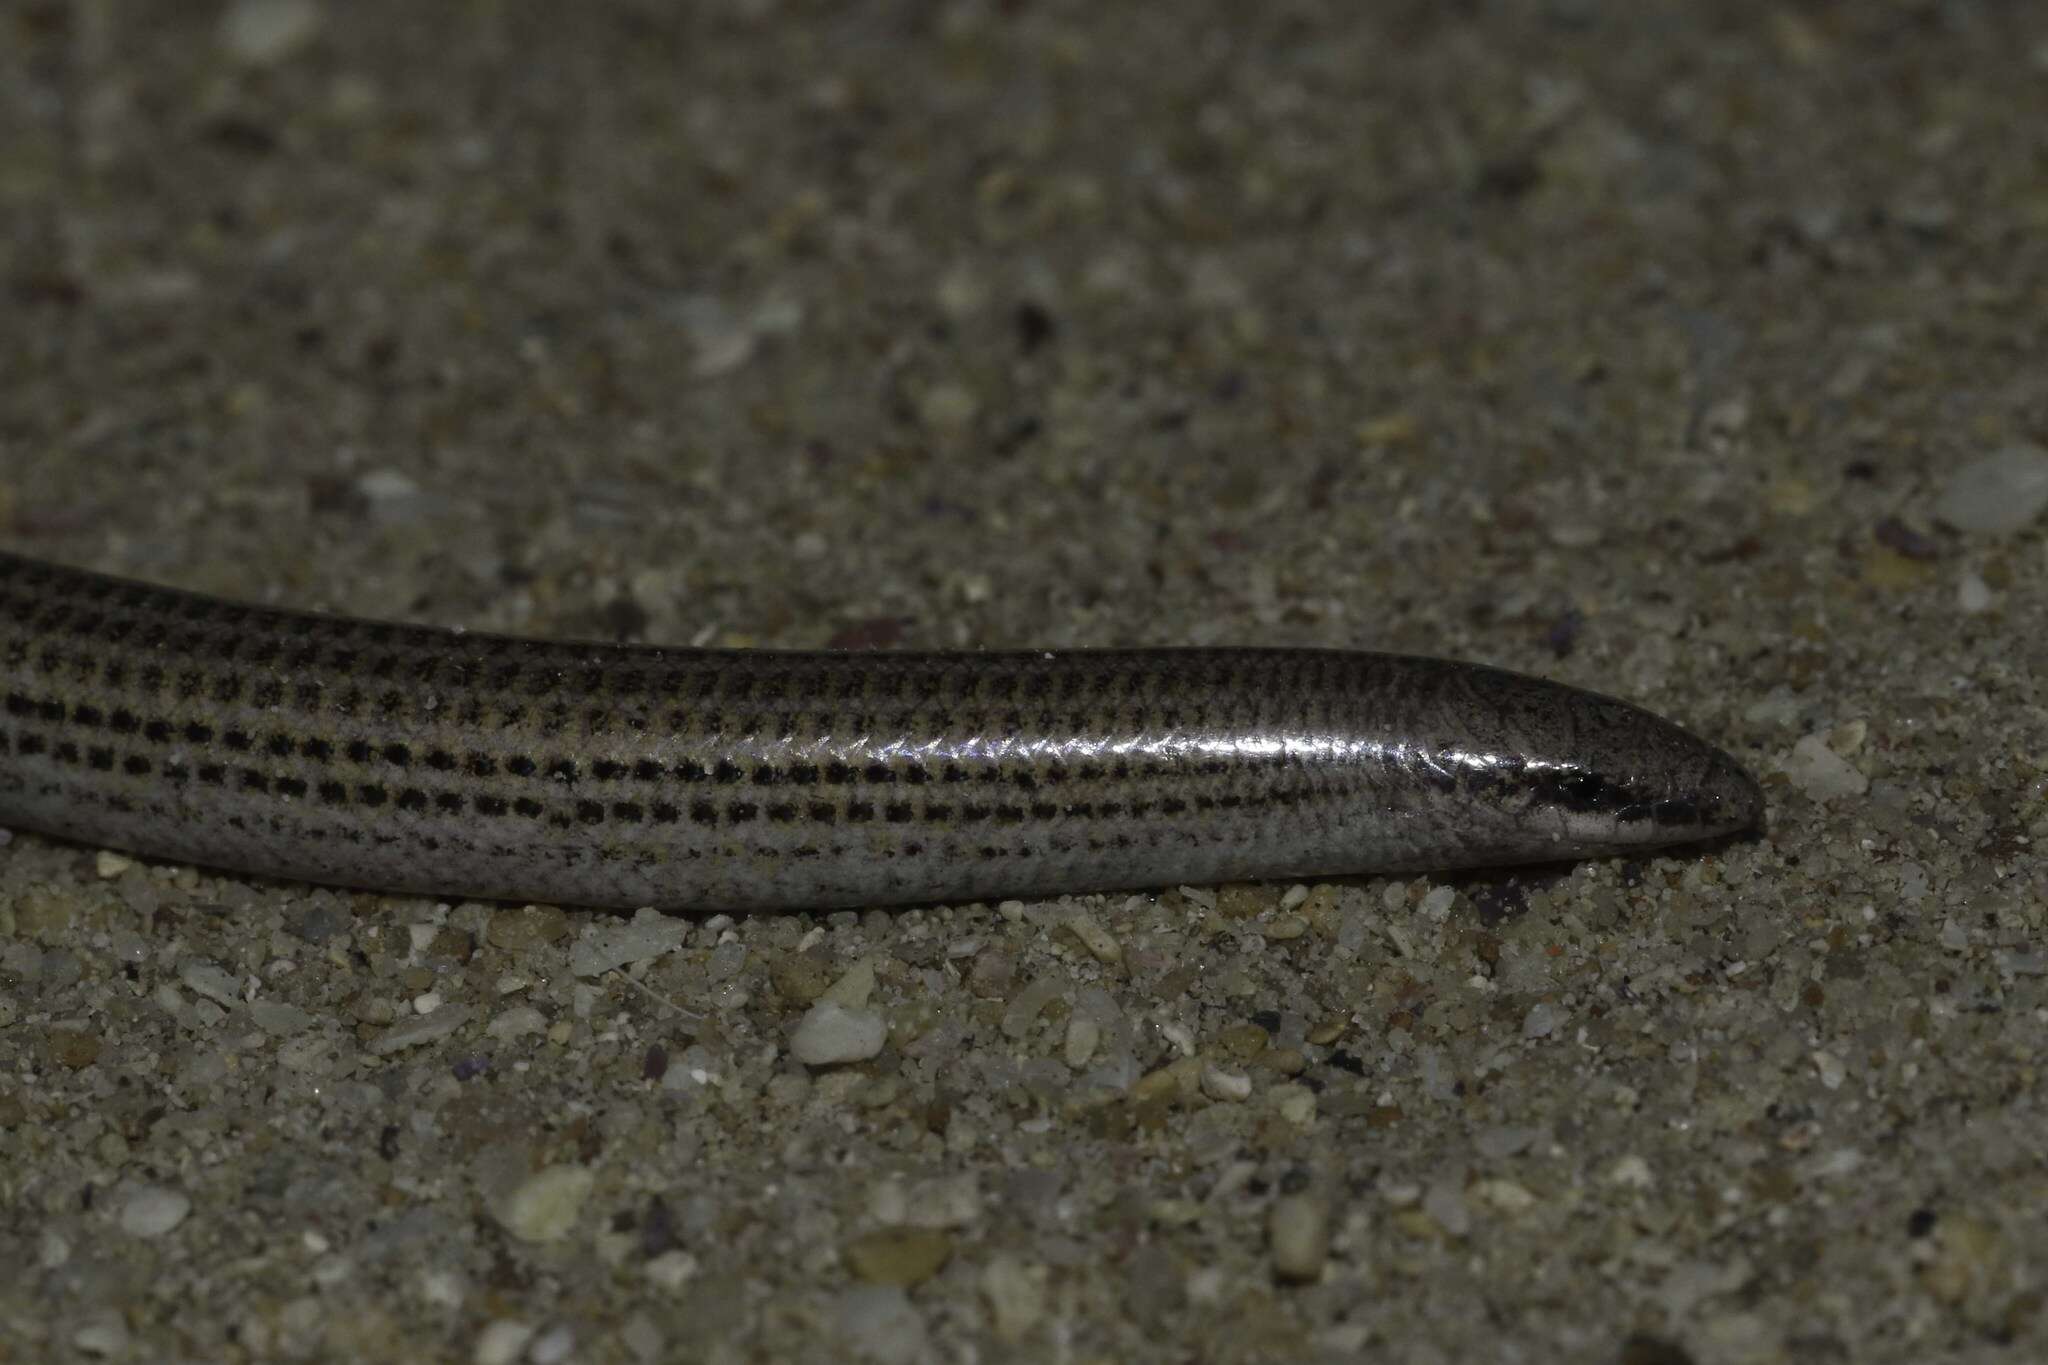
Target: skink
[{"x": 407, "y": 758}]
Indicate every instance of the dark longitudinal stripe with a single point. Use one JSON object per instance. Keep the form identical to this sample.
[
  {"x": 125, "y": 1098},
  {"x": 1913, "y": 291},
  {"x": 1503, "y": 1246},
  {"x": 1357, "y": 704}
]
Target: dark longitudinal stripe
[{"x": 404, "y": 757}]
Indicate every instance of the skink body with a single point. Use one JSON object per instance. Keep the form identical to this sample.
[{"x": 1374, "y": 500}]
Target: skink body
[{"x": 409, "y": 758}]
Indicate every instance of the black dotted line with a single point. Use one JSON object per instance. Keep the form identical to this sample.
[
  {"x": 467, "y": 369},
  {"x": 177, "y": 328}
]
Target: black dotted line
[
  {"x": 363, "y": 752},
  {"x": 213, "y": 631},
  {"x": 29, "y": 742},
  {"x": 152, "y": 679}
]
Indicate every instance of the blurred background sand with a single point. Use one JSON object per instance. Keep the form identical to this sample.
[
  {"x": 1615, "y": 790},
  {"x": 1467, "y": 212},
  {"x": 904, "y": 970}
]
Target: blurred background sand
[{"x": 1691, "y": 352}]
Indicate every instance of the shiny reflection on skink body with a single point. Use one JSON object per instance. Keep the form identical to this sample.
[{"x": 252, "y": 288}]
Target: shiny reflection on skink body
[{"x": 406, "y": 758}]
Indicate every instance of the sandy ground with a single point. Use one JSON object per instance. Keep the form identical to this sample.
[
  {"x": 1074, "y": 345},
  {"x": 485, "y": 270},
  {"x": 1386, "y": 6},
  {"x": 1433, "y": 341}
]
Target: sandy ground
[{"x": 1646, "y": 345}]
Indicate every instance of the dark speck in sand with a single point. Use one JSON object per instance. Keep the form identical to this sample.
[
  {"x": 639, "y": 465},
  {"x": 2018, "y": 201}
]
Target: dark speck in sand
[{"x": 1894, "y": 534}]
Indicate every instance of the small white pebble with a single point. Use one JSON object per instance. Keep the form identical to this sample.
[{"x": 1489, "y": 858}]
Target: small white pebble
[
  {"x": 1503, "y": 1141},
  {"x": 1973, "y": 595},
  {"x": 1100, "y": 943},
  {"x": 948, "y": 407},
  {"x": 878, "y": 1323},
  {"x": 1631, "y": 1172},
  {"x": 153, "y": 1210},
  {"x": 501, "y": 1342},
  {"x": 1295, "y": 1103},
  {"x": 1437, "y": 904},
  {"x": 1015, "y": 1297},
  {"x": 1177, "y": 1033},
  {"x": 1727, "y": 417},
  {"x": 553, "y": 1346},
  {"x": 517, "y": 1022},
  {"x": 103, "y": 1334},
  {"x": 945, "y": 1202},
  {"x": 441, "y": 1287},
  {"x": 672, "y": 1270},
  {"x": 1012, "y": 911},
  {"x": 830, "y": 1034},
  {"x": 1505, "y": 1195},
  {"x": 1540, "y": 1021},
  {"x": 721, "y": 340},
  {"x": 1444, "y": 1201},
  {"x": 1998, "y": 494},
  {"x": 1175, "y": 1213},
  {"x": 110, "y": 865},
  {"x": 1228, "y": 1087},
  {"x": 1401, "y": 1194},
  {"x": 544, "y": 1206},
  {"x": 1829, "y": 1165},
  {"x": 643, "y": 1338},
  {"x": 1829, "y": 1066},
  {"x": 426, "y": 1002},
  {"x": 210, "y": 981},
  {"x": 1296, "y": 894},
  {"x": 1820, "y": 772},
  {"x": 264, "y": 32},
  {"x": 1208, "y": 1286},
  {"x": 888, "y": 1202},
  {"x": 854, "y": 986},
  {"x": 607, "y": 943},
  {"x": 1298, "y": 1228},
  {"x": 1083, "y": 1035},
  {"x": 1778, "y": 708},
  {"x": 963, "y": 291},
  {"x": 419, "y": 1030}
]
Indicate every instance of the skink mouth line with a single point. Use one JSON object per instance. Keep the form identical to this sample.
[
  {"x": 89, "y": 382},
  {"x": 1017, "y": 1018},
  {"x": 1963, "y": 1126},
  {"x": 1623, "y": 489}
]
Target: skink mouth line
[
  {"x": 1581, "y": 791},
  {"x": 1517, "y": 782}
]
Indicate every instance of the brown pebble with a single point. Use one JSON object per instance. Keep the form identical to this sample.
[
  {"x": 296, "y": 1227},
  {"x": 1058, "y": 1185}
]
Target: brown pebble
[
  {"x": 898, "y": 1256},
  {"x": 1970, "y": 1260},
  {"x": 529, "y": 926},
  {"x": 992, "y": 973},
  {"x": 800, "y": 978},
  {"x": 1244, "y": 900},
  {"x": 1284, "y": 1060},
  {"x": 73, "y": 1048},
  {"x": 452, "y": 945},
  {"x": 1239, "y": 1043},
  {"x": 42, "y": 916},
  {"x": 13, "y": 1113}
]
